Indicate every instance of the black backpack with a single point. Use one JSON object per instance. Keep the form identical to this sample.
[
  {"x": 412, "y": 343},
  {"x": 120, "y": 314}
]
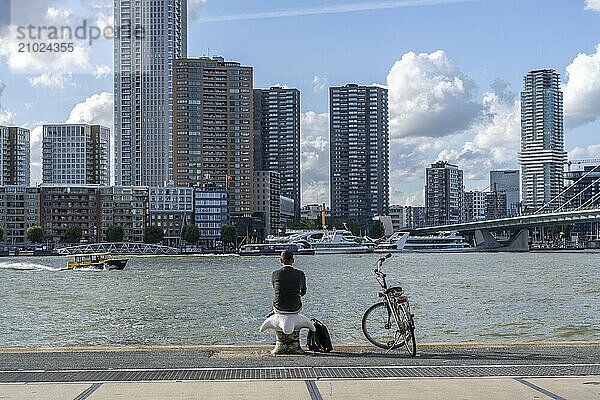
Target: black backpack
[{"x": 319, "y": 340}]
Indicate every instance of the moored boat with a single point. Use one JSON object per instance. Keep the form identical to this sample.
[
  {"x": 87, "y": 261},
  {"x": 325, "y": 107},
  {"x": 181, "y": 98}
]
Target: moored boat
[
  {"x": 335, "y": 241},
  {"x": 266, "y": 249},
  {"x": 443, "y": 242},
  {"x": 99, "y": 261}
]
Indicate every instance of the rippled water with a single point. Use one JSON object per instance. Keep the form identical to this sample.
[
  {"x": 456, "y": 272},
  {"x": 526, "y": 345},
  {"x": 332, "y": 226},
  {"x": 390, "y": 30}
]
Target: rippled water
[{"x": 223, "y": 300}]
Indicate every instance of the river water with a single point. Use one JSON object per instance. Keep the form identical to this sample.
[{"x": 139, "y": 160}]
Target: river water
[{"x": 199, "y": 300}]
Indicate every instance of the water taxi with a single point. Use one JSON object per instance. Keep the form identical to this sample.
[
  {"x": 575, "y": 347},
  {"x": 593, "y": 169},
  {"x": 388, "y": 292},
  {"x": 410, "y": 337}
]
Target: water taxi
[{"x": 100, "y": 261}]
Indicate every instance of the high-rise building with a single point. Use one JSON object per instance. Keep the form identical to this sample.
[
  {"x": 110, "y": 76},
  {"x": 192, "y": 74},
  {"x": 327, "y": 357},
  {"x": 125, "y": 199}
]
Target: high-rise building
[
  {"x": 151, "y": 35},
  {"x": 14, "y": 156},
  {"x": 268, "y": 200},
  {"x": 507, "y": 182},
  {"x": 359, "y": 155},
  {"x": 444, "y": 194},
  {"x": 542, "y": 156},
  {"x": 213, "y": 129},
  {"x": 277, "y": 138},
  {"x": 76, "y": 154}
]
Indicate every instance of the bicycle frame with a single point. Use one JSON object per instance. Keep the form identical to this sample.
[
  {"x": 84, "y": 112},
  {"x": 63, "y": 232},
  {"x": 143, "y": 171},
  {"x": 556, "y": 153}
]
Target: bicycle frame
[{"x": 390, "y": 301}]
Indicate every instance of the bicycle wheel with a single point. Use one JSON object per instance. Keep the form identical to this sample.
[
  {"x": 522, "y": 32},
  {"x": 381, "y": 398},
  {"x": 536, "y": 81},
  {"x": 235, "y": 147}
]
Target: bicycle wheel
[
  {"x": 379, "y": 326},
  {"x": 409, "y": 333}
]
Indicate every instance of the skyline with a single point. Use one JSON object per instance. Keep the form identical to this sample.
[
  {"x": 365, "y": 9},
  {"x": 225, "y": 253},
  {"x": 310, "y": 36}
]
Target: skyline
[{"x": 463, "y": 113}]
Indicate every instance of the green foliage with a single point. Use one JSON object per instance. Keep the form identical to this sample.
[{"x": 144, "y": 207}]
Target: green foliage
[
  {"x": 115, "y": 233},
  {"x": 74, "y": 233},
  {"x": 228, "y": 234},
  {"x": 153, "y": 234},
  {"x": 309, "y": 224},
  {"x": 35, "y": 234},
  {"x": 191, "y": 234},
  {"x": 377, "y": 231},
  {"x": 355, "y": 227}
]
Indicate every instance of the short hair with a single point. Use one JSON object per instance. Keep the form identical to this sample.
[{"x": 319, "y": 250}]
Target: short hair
[{"x": 287, "y": 256}]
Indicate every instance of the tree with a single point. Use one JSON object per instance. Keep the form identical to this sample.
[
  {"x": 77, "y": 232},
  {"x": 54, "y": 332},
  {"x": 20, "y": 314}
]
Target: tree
[
  {"x": 191, "y": 234},
  {"x": 153, "y": 234},
  {"x": 115, "y": 233},
  {"x": 228, "y": 234},
  {"x": 355, "y": 227},
  {"x": 35, "y": 234},
  {"x": 74, "y": 233},
  {"x": 377, "y": 230}
]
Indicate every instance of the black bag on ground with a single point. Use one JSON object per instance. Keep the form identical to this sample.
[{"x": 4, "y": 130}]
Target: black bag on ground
[{"x": 319, "y": 340}]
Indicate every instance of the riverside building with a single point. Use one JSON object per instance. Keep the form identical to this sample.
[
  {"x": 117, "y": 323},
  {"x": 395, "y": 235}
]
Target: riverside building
[
  {"x": 277, "y": 138},
  {"x": 76, "y": 154},
  {"x": 268, "y": 200},
  {"x": 213, "y": 129},
  {"x": 542, "y": 156},
  {"x": 507, "y": 182},
  {"x": 14, "y": 156},
  {"x": 444, "y": 194},
  {"x": 359, "y": 155},
  {"x": 127, "y": 207},
  {"x": 171, "y": 208},
  {"x": 19, "y": 210},
  {"x": 151, "y": 35}
]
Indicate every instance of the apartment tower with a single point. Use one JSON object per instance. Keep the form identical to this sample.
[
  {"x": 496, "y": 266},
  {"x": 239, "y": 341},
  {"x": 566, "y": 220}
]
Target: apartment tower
[
  {"x": 76, "y": 154},
  {"x": 542, "y": 156},
  {"x": 151, "y": 35},
  {"x": 14, "y": 156},
  {"x": 359, "y": 155},
  {"x": 277, "y": 138},
  {"x": 213, "y": 129},
  {"x": 444, "y": 193}
]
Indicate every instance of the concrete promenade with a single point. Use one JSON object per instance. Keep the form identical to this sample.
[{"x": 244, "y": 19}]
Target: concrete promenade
[{"x": 440, "y": 371}]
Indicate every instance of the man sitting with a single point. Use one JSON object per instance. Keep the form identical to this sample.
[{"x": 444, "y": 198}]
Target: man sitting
[{"x": 289, "y": 284}]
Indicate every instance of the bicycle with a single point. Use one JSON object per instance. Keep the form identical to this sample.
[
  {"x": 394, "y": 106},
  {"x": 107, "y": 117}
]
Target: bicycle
[{"x": 389, "y": 324}]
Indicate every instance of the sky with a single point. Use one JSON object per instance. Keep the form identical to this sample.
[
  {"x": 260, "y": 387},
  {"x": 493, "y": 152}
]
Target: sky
[{"x": 453, "y": 68}]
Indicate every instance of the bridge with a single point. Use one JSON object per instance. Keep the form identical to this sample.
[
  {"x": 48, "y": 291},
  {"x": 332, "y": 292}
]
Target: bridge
[
  {"x": 521, "y": 222},
  {"x": 119, "y": 248}
]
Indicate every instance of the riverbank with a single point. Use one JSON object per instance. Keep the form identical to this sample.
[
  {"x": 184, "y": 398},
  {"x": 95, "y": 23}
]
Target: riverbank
[{"x": 511, "y": 370}]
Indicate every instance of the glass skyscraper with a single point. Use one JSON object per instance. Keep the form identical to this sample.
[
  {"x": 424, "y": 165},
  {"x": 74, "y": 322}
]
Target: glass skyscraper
[
  {"x": 542, "y": 156},
  {"x": 150, "y": 35},
  {"x": 359, "y": 156}
]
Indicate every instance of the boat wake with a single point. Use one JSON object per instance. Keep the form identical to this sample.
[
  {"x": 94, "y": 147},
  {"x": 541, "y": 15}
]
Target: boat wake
[{"x": 20, "y": 266}]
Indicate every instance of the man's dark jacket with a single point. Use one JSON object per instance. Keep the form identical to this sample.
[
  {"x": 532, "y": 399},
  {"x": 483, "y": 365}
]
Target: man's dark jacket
[{"x": 290, "y": 285}]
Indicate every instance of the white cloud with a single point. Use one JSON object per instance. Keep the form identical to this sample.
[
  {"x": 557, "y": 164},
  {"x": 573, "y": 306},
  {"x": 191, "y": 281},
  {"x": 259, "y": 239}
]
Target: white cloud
[
  {"x": 585, "y": 153},
  {"x": 96, "y": 109},
  {"x": 430, "y": 97},
  {"x": 318, "y": 84},
  {"x": 6, "y": 117},
  {"x": 314, "y": 157},
  {"x": 102, "y": 71},
  {"x": 194, "y": 8},
  {"x": 52, "y": 80},
  {"x": 592, "y": 5},
  {"x": 582, "y": 91}
]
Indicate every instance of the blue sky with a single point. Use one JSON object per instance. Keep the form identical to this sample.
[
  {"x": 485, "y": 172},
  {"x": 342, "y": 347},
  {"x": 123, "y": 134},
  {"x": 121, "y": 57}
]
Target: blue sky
[{"x": 454, "y": 70}]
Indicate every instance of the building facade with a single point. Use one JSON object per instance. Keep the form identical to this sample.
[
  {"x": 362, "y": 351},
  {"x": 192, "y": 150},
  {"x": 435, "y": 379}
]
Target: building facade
[
  {"x": 151, "y": 34},
  {"x": 171, "y": 208},
  {"x": 15, "y": 156},
  {"x": 415, "y": 216},
  {"x": 213, "y": 129},
  {"x": 542, "y": 156},
  {"x": 127, "y": 207},
  {"x": 76, "y": 154},
  {"x": 397, "y": 215},
  {"x": 211, "y": 214},
  {"x": 359, "y": 152},
  {"x": 66, "y": 206},
  {"x": 507, "y": 182},
  {"x": 444, "y": 194},
  {"x": 475, "y": 206},
  {"x": 19, "y": 210},
  {"x": 268, "y": 200},
  {"x": 277, "y": 138}
]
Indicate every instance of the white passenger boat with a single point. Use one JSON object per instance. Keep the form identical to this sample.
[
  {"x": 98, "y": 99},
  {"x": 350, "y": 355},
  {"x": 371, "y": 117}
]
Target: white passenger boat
[
  {"x": 405, "y": 242},
  {"x": 336, "y": 241}
]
